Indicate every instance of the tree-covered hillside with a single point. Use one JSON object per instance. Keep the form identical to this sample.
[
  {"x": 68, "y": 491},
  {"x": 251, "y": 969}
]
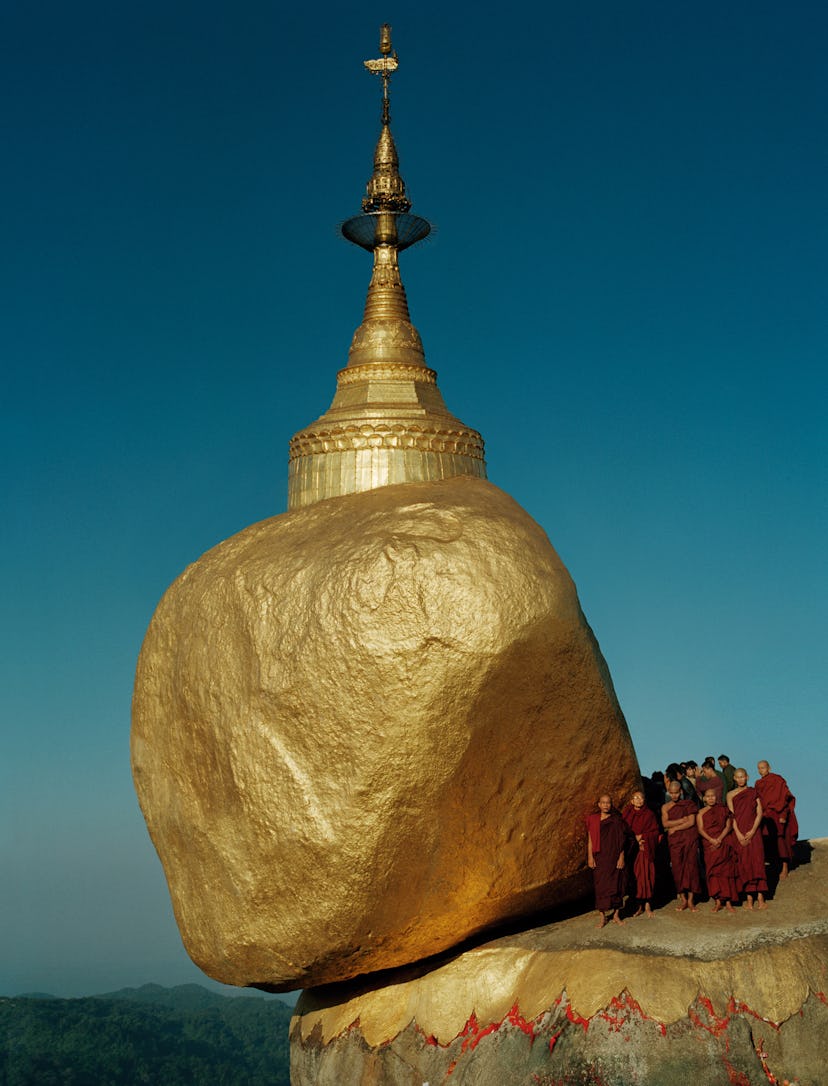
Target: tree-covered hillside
[{"x": 149, "y": 1035}]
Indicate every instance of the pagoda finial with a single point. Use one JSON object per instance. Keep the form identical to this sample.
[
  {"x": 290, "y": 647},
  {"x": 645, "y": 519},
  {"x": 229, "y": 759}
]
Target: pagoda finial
[
  {"x": 387, "y": 63},
  {"x": 386, "y": 189}
]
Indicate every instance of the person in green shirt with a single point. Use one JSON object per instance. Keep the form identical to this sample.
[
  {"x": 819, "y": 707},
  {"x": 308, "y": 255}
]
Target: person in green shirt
[{"x": 727, "y": 772}]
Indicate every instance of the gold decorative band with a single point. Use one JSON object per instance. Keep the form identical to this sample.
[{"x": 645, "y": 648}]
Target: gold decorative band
[
  {"x": 393, "y": 371},
  {"x": 365, "y": 435}
]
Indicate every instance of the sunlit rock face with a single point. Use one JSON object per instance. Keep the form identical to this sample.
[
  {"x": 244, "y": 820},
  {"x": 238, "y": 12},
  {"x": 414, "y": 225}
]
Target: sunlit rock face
[
  {"x": 368, "y": 728},
  {"x": 709, "y": 999}
]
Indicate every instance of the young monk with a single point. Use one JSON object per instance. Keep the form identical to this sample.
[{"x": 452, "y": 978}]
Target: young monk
[
  {"x": 678, "y": 817},
  {"x": 607, "y": 835},
  {"x": 644, "y": 828},
  {"x": 714, "y": 822},
  {"x": 779, "y": 825},
  {"x": 709, "y": 778},
  {"x": 746, "y": 807}
]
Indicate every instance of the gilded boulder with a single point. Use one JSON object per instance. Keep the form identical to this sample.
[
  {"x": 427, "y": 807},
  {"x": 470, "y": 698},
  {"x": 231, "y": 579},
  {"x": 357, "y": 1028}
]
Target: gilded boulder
[{"x": 367, "y": 729}]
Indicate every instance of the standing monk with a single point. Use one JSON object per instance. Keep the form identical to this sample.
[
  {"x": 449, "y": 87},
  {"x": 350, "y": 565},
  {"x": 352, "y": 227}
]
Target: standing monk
[
  {"x": 779, "y": 825},
  {"x": 644, "y": 827},
  {"x": 678, "y": 816},
  {"x": 746, "y": 806},
  {"x": 709, "y": 778},
  {"x": 714, "y": 823},
  {"x": 605, "y": 855}
]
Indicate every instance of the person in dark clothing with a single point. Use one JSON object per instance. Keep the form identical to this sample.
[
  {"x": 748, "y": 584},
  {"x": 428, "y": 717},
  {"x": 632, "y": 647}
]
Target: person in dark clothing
[
  {"x": 654, "y": 791},
  {"x": 728, "y": 772},
  {"x": 674, "y": 772},
  {"x": 709, "y": 778},
  {"x": 678, "y": 817},
  {"x": 746, "y": 807},
  {"x": 646, "y": 833},
  {"x": 779, "y": 825},
  {"x": 715, "y": 824},
  {"x": 606, "y": 837}
]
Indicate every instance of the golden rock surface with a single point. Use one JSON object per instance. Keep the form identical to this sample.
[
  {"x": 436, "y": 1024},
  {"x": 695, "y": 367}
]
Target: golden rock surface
[
  {"x": 766, "y": 962},
  {"x": 368, "y": 728}
]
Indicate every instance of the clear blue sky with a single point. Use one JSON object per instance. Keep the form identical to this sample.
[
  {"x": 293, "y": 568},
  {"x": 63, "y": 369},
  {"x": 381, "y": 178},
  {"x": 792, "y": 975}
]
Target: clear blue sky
[{"x": 626, "y": 296}]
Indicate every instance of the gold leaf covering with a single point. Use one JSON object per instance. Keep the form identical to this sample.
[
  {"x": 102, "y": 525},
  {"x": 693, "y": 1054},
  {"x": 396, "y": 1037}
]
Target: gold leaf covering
[
  {"x": 388, "y": 423},
  {"x": 368, "y": 728}
]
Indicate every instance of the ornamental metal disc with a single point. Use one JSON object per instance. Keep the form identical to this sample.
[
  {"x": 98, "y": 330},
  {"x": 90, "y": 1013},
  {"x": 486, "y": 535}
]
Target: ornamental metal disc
[{"x": 363, "y": 230}]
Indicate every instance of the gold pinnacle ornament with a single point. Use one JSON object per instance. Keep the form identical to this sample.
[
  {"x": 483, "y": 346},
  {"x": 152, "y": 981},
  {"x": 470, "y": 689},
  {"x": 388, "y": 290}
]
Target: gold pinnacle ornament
[{"x": 387, "y": 422}]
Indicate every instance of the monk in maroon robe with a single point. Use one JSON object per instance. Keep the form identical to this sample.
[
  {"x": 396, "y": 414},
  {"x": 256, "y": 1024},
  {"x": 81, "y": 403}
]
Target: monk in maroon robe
[
  {"x": 779, "y": 825},
  {"x": 746, "y": 808},
  {"x": 714, "y": 822},
  {"x": 606, "y": 839},
  {"x": 644, "y": 828},
  {"x": 709, "y": 778},
  {"x": 678, "y": 817}
]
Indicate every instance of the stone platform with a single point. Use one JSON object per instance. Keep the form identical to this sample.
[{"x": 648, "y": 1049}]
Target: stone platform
[{"x": 736, "y": 1000}]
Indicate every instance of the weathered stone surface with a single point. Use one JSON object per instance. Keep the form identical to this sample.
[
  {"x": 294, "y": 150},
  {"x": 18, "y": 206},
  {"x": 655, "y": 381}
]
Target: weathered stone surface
[
  {"x": 709, "y": 999},
  {"x": 357, "y": 729}
]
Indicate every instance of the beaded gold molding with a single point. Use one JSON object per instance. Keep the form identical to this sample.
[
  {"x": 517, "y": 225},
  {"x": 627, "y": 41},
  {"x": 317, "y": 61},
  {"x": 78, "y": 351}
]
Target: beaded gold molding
[
  {"x": 365, "y": 435},
  {"x": 392, "y": 371}
]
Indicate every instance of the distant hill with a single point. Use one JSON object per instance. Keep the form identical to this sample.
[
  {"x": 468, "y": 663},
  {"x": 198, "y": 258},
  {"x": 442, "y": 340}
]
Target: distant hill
[
  {"x": 189, "y": 995},
  {"x": 148, "y": 1036}
]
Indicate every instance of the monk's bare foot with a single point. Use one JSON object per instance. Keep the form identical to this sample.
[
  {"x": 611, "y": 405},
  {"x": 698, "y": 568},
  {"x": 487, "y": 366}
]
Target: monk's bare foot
[
  {"x": 602, "y": 922},
  {"x": 681, "y": 907},
  {"x": 637, "y": 912},
  {"x": 761, "y": 903},
  {"x": 692, "y": 908},
  {"x": 648, "y": 912},
  {"x": 616, "y": 919},
  {"x": 783, "y": 874},
  {"x": 730, "y": 908},
  {"x": 748, "y": 904},
  {"x": 717, "y": 906}
]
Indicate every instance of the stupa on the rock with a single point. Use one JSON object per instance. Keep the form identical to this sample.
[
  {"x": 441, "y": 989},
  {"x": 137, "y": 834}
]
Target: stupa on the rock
[
  {"x": 387, "y": 423},
  {"x": 361, "y": 728}
]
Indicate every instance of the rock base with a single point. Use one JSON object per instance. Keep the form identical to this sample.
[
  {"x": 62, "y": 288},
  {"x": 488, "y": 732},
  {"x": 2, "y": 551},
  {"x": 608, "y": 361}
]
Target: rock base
[
  {"x": 620, "y": 1046},
  {"x": 710, "y": 999}
]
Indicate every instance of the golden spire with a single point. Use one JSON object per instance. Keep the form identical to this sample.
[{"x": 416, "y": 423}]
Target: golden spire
[
  {"x": 386, "y": 189},
  {"x": 388, "y": 422}
]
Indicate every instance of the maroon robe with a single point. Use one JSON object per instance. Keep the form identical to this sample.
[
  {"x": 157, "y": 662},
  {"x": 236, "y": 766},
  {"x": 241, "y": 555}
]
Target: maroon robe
[
  {"x": 750, "y": 858},
  {"x": 716, "y": 783},
  {"x": 778, "y": 803},
  {"x": 719, "y": 863},
  {"x": 684, "y": 849},
  {"x": 643, "y": 823},
  {"x": 610, "y": 834}
]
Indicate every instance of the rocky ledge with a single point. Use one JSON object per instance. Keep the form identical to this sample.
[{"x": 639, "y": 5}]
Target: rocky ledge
[{"x": 736, "y": 1000}]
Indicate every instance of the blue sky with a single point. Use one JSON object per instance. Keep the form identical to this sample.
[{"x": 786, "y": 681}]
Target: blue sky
[{"x": 626, "y": 295}]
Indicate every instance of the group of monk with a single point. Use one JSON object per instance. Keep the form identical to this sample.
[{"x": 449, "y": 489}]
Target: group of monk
[{"x": 721, "y": 834}]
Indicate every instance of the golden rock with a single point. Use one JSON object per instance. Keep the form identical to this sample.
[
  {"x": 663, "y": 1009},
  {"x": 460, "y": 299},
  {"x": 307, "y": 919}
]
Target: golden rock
[{"x": 368, "y": 728}]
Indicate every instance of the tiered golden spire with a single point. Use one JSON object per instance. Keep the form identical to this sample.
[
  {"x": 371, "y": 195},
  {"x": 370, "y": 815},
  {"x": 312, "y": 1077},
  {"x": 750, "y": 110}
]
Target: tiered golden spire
[{"x": 388, "y": 422}]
